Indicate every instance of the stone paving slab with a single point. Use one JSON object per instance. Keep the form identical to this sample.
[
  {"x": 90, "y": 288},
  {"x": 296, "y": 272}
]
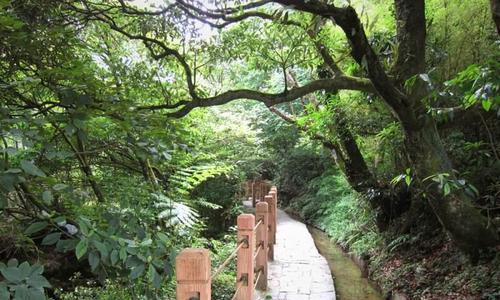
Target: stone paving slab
[{"x": 298, "y": 271}]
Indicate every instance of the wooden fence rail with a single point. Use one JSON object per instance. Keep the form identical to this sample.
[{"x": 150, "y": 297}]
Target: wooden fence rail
[{"x": 256, "y": 237}]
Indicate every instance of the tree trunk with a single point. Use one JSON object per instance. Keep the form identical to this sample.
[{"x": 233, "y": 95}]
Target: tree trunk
[
  {"x": 495, "y": 13},
  {"x": 355, "y": 167},
  {"x": 465, "y": 224},
  {"x": 87, "y": 169},
  {"x": 360, "y": 178}
]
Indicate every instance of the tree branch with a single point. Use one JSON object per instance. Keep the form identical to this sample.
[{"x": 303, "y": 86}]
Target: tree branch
[
  {"x": 333, "y": 84},
  {"x": 316, "y": 136},
  {"x": 230, "y": 15},
  {"x": 363, "y": 54},
  {"x": 148, "y": 42}
]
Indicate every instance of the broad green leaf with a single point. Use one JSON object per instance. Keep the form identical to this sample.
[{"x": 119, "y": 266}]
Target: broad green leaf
[
  {"x": 38, "y": 281},
  {"x": 36, "y": 294},
  {"x": 61, "y": 221},
  {"x": 36, "y": 269},
  {"x": 137, "y": 271},
  {"x": 47, "y": 197},
  {"x": 146, "y": 242},
  {"x": 163, "y": 237},
  {"x": 82, "y": 248},
  {"x": 66, "y": 245},
  {"x": 21, "y": 292},
  {"x": 51, "y": 239},
  {"x": 408, "y": 180},
  {"x": 114, "y": 257},
  {"x": 487, "y": 104},
  {"x": 84, "y": 228},
  {"x": 4, "y": 292},
  {"x": 154, "y": 277},
  {"x": 102, "y": 248},
  {"x": 123, "y": 254},
  {"x": 35, "y": 227},
  {"x": 60, "y": 186},
  {"x": 8, "y": 181},
  {"x": 25, "y": 269},
  {"x": 93, "y": 260},
  {"x": 132, "y": 250},
  {"x": 31, "y": 169},
  {"x": 446, "y": 189},
  {"x": 133, "y": 261},
  {"x": 79, "y": 123},
  {"x": 12, "y": 274}
]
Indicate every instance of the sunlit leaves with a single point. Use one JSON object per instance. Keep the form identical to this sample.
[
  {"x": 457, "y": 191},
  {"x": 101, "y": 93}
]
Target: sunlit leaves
[{"x": 476, "y": 84}]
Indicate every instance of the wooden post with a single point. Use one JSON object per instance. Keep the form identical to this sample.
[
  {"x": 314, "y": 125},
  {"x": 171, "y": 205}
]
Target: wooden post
[
  {"x": 247, "y": 189},
  {"x": 268, "y": 188},
  {"x": 272, "y": 226},
  {"x": 245, "y": 265},
  {"x": 263, "y": 190},
  {"x": 274, "y": 193},
  {"x": 254, "y": 193},
  {"x": 193, "y": 271},
  {"x": 262, "y": 241},
  {"x": 260, "y": 197}
]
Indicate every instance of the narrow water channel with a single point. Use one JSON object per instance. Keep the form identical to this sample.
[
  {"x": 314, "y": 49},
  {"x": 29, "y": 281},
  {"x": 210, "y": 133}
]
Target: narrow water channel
[{"x": 347, "y": 277}]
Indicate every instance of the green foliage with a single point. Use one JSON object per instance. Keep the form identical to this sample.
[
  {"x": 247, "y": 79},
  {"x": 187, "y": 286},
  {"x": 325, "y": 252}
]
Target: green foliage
[
  {"x": 297, "y": 169},
  {"x": 330, "y": 204},
  {"x": 223, "y": 287},
  {"x": 116, "y": 289},
  {"x": 453, "y": 47},
  {"x": 406, "y": 177},
  {"x": 89, "y": 170},
  {"x": 22, "y": 281},
  {"x": 474, "y": 86},
  {"x": 448, "y": 185},
  {"x": 215, "y": 201}
]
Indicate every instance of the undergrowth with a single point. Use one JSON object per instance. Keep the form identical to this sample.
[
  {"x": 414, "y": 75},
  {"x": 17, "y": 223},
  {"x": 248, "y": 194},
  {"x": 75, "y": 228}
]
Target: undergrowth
[
  {"x": 421, "y": 265},
  {"x": 332, "y": 206},
  {"x": 222, "y": 286}
]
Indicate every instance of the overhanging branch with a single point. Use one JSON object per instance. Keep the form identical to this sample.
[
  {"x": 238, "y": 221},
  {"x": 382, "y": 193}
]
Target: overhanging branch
[{"x": 327, "y": 85}]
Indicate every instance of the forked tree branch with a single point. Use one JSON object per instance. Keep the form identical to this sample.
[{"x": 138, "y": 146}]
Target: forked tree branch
[{"x": 327, "y": 85}]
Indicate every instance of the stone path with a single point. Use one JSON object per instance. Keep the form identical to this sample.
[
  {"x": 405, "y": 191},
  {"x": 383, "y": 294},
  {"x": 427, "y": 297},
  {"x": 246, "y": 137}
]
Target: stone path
[{"x": 298, "y": 271}]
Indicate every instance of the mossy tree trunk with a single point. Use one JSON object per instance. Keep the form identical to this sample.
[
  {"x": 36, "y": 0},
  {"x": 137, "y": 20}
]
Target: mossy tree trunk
[{"x": 467, "y": 227}]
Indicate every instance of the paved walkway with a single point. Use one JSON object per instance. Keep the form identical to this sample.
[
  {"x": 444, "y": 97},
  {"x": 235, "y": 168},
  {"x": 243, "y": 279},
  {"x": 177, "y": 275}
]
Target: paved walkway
[{"x": 298, "y": 271}]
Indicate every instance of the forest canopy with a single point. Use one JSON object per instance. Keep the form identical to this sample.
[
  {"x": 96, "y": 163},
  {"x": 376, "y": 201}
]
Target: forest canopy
[{"x": 127, "y": 128}]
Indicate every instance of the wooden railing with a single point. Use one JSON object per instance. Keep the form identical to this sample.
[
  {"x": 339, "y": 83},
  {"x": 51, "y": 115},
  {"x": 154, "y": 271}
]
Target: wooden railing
[
  {"x": 256, "y": 237},
  {"x": 256, "y": 190}
]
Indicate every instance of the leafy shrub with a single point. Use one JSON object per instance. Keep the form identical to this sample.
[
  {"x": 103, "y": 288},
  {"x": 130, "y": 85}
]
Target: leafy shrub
[
  {"x": 216, "y": 203},
  {"x": 22, "y": 281},
  {"x": 116, "y": 289},
  {"x": 223, "y": 287},
  {"x": 344, "y": 215},
  {"x": 298, "y": 168}
]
